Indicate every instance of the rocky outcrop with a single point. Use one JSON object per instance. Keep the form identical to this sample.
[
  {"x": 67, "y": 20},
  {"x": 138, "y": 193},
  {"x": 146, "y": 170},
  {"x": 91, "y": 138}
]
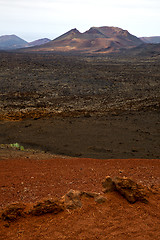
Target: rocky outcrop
[
  {"x": 13, "y": 211},
  {"x": 47, "y": 206},
  {"x": 126, "y": 187},
  {"x": 130, "y": 190},
  {"x": 73, "y": 199}
]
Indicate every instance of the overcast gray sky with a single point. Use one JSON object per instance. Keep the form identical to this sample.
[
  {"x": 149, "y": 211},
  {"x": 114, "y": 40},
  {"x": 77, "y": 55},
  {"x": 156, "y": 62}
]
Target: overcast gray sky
[{"x": 33, "y": 19}]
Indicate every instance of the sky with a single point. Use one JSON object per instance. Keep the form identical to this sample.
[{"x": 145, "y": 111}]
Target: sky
[{"x": 35, "y": 19}]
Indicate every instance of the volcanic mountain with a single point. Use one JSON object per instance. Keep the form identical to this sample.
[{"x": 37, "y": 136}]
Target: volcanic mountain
[
  {"x": 155, "y": 39},
  {"x": 11, "y": 42},
  {"x": 39, "y": 42},
  {"x": 8, "y": 42},
  {"x": 96, "y": 39}
]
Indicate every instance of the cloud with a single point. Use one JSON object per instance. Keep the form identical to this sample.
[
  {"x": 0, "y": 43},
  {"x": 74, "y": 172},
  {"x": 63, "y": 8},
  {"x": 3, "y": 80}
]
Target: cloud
[{"x": 57, "y": 16}]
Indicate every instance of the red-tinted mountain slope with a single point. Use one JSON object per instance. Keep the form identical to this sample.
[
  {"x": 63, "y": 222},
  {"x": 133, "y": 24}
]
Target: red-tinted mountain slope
[{"x": 96, "y": 39}]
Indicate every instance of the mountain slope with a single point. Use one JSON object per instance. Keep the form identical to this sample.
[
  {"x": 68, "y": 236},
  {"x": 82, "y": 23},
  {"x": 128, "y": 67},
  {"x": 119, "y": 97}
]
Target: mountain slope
[
  {"x": 39, "y": 42},
  {"x": 96, "y": 39},
  {"x": 155, "y": 39},
  {"x": 8, "y": 42},
  {"x": 143, "y": 50}
]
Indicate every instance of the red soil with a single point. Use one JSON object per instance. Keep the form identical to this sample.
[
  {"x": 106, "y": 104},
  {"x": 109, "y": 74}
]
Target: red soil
[{"x": 33, "y": 178}]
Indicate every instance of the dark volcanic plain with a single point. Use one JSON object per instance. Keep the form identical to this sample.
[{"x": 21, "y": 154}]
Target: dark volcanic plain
[{"x": 99, "y": 107}]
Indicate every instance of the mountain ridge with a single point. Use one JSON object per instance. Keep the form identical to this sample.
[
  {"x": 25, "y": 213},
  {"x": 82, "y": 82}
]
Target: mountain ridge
[{"x": 93, "y": 40}]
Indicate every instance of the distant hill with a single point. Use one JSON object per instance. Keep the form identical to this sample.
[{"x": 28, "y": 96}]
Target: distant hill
[
  {"x": 155, "y": 39},
  {"x": 39, "y": 42},
  {"x": 12, "y": 42},
  {"x": 96, "y": 39}
]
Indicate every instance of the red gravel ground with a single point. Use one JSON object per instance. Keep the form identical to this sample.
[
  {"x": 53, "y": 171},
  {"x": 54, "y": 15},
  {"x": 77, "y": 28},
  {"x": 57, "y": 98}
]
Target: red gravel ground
[{"x": 31, "y": 177}]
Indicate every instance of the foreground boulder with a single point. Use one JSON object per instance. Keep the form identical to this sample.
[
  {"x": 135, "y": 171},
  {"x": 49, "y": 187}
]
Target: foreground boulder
[
  {"x": 130, "y": 190},
  {"x": 47, "y": 206},
  {"x": 13, "y": 211},
  {"x": 126, "y": 187}
]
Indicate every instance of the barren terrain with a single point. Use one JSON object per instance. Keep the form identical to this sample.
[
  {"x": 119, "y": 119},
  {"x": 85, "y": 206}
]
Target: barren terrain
[
  {"x": 81, "y": 106},
  {"x": 79, "y": 119},
  {"x": 29, "y": 176}
]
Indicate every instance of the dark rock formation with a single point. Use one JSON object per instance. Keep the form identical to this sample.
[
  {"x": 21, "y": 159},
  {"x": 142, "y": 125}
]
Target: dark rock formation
[
  {"x": 13, "y": 211},
  {"x": 47, "y": 206}
]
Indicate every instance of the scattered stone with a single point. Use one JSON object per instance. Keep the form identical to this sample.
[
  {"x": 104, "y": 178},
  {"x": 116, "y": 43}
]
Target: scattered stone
[
  {"x": 90, "y": 194},
  {"x": 126, "y": 187},
  {"x": 97, "y": 197},
  {"x": 108, "y": 185},
  {"x": 100, "y": 199},
  {"x": 13, "y": 211},
  {"x": 47, "y": 206},
  {"x": 72, "y": 199}
]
